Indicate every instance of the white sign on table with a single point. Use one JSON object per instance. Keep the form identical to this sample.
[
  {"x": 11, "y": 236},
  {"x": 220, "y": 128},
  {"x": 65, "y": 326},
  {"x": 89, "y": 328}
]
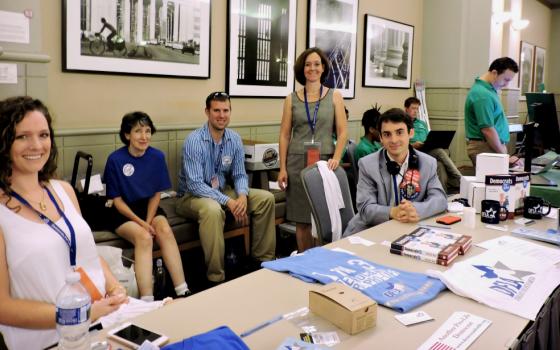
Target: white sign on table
[{"x": 457, "y": 333}]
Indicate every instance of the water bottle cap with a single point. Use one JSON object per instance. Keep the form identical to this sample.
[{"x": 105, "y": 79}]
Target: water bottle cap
[{"x": 73, "y": 277}]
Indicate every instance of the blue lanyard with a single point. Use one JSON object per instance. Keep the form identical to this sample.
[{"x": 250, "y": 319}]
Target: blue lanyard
[
  {"x": 70, "y": 242},
  {"x": 218, "y": 159},
  {"x": 314, "y": 122},
  {"x": 396, "y": 190}
]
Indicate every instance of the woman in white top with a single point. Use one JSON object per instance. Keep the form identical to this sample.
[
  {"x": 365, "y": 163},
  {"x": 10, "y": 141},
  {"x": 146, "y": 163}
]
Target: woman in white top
[{"x": 34, "y": 256}]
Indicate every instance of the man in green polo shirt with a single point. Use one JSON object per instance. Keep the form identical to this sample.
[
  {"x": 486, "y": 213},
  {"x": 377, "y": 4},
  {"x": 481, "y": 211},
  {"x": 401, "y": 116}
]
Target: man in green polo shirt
[
  {"x": 486, "y": 125},
  {"x": 448, "y": 174},
  {"x": 369, "y": 143}
]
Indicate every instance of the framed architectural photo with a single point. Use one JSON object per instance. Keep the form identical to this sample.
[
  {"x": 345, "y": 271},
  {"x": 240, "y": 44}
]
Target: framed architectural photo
[
  {"x": 261, "y": 47},
  {"x": 332, "y": 27},
  {"x": 526, "y": 67},
  {"x": 387, "y": 53},
  {"x": 540, "y": 54},
  {"x": 160, "y": 38}
]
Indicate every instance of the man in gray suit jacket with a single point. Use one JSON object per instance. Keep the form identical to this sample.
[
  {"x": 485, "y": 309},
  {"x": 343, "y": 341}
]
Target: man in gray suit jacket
[{"x": 397, "y": 182}]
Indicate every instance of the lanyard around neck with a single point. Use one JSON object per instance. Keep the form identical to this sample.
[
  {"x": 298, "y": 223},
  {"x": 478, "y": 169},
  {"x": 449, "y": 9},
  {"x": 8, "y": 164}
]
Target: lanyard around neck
[
  {"x": 314, "y": 122},
  {"x": 70, "y": 242},
  {"x": 218, "y": 158},
  {"x": 396, "y": 190}
]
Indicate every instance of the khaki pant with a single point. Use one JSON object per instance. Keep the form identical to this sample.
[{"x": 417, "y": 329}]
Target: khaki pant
[
  {"x": 211, "y": 217},
  {"x": 447, "y": 172},
  {"x": 475, "y": 147}
]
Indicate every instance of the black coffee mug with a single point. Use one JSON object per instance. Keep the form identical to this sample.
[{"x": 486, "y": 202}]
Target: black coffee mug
[
  {"x": 491, "y": 212},
  {"x": 533, "y": 207}
]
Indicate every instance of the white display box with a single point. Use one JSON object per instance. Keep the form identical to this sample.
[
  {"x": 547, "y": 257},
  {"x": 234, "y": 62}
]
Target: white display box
[
  {"x": 476, "y": 194},
  {"x": 473, "y": 191},
  {"x": 510, "y": 190},
  {"x": 261, "y": 156},
  {"x": 464, "y": 187},
  {"x": 502, "y": 188},
  {"x": 523, "y": 185},
  {"x": 491, "y": 164}
]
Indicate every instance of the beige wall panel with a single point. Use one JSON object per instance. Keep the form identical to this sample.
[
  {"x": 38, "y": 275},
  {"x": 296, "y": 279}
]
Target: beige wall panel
[
  {"x": 90, "y": 140},
  {"x": 552, "y": 71},
  {"x": 99, "y": 153}
]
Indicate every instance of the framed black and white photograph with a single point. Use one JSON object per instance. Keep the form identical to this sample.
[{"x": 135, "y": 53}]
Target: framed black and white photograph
[
  {"x": 387, "y": 53},
  {"x": 138, "y": 37},
  {"x": 261, "y": 47},
  {"x": 540, "y": 54},
  {"x": 332, "y": 27},
  {"x": 526, "y": 53}
]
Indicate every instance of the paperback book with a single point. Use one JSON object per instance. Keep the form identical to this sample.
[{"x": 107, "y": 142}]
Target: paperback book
[{"x": 432, "y": 245}]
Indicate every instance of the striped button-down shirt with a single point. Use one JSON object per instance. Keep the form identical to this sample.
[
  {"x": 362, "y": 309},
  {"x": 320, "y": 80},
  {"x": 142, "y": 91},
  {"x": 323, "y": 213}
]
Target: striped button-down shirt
[{"x": 200, "y": 157}]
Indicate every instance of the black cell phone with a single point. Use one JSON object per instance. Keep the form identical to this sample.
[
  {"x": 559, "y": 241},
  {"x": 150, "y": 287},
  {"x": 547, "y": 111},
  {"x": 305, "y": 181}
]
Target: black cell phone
[{"x": 133, "y": 335}]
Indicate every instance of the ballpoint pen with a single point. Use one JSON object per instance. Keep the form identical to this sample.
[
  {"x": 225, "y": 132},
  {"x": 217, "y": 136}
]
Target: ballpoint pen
[
  {"x": 261, "y": 326},
  {"x": 434, "y": 226}
]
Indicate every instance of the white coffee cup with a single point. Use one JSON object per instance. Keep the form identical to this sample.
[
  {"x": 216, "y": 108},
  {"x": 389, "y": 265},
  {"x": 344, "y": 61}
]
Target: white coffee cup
[{"x": 469, "y": 217}]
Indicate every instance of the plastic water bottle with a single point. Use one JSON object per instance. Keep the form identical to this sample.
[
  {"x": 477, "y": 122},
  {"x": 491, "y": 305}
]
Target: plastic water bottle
[
  {"x": 73, "y": 305},
  {"x": 159, "y": 290}
]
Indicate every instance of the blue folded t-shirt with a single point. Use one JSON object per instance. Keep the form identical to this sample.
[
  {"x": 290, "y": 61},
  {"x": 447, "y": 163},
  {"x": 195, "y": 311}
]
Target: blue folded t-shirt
[
  {"x": 221, "y": 338},
  {"x": 394, "y": 288}
]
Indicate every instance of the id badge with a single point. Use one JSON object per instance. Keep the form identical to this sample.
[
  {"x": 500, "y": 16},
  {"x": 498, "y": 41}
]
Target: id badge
[
  {"x": 89, "y": 285},
  {"x": 312, "y": 152},
  {"x": 215, "y": 182}
]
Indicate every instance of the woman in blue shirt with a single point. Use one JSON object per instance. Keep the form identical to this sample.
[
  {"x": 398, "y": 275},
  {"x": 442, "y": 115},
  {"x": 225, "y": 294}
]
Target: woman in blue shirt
[{"x": 135, "y": 176}]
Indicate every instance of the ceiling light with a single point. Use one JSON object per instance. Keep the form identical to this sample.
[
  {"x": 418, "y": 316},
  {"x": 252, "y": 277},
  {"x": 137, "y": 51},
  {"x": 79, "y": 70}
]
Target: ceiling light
[
  {"x": 501, "y": 17},
  {"x": 519, "y": 24}
]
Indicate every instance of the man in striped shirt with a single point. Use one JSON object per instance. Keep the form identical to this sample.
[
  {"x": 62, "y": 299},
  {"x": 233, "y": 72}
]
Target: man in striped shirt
[{"x": 212, "y": 180}]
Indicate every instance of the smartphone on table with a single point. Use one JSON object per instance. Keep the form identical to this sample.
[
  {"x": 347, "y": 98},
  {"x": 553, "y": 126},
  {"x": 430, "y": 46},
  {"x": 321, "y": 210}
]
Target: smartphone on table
[{"x": 133, "y": 336}]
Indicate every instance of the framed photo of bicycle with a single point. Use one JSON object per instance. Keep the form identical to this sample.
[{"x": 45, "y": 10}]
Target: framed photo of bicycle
[
  {"x": 332, "y": 27},
  {"x": 387, "y": 53},
  {"x": 261, "y": 48},
  {"x": 159, "y": 38}
]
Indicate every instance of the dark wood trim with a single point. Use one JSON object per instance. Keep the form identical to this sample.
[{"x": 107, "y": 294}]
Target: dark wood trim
[{"x": 549, "y": 4}]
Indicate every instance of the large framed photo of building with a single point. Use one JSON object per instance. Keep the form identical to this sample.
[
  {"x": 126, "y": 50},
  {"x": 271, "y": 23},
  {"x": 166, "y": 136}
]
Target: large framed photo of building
[
  {"x": 387, "y": 53},
  {"x": 526, "y": 53},
  {"x": 332, "y": 27},
  {"x": 538, "y": 76},
  {"x": 261, "y": 47},
  {"x": 137, "y": 37}
]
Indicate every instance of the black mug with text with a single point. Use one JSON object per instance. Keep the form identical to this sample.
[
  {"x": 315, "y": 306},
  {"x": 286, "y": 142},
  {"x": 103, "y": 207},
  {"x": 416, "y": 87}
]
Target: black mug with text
[
  {"x": 533, "y": 207},
  {"x": 492, "y": 212}
]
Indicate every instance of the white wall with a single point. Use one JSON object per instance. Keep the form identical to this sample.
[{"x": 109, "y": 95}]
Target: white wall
[
  {"x": 552, "y": 72},
  {"x": 456, "y": 41}
]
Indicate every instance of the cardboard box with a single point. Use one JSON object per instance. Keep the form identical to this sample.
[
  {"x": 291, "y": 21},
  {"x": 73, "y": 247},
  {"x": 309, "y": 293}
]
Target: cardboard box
[
  {"x": 347, "y": 308},
  {"x": 261, "y": 156},
  {"x": 509, "y": 189},
  {"x": 491, "y": 164},
  {"x": 473, "y": 191}
]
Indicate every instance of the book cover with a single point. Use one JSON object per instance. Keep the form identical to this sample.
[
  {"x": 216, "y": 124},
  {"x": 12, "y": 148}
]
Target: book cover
[{"x": 422, "y": 257}]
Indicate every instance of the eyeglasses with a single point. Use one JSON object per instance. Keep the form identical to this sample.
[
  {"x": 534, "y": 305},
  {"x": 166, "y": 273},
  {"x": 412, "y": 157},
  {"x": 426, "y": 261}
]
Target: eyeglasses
[{"x": 218, "y": 94}]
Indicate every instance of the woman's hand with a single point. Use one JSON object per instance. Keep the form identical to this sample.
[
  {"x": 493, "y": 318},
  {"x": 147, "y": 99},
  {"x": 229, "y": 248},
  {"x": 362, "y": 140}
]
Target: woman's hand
[
  {"x": 333, "y": 164},
  {"x": 107, "y": 305},
  {"x": 148, "y": 227},
  {"x": 283, "y": 179},
  {"x": 117, "y": 290}
]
